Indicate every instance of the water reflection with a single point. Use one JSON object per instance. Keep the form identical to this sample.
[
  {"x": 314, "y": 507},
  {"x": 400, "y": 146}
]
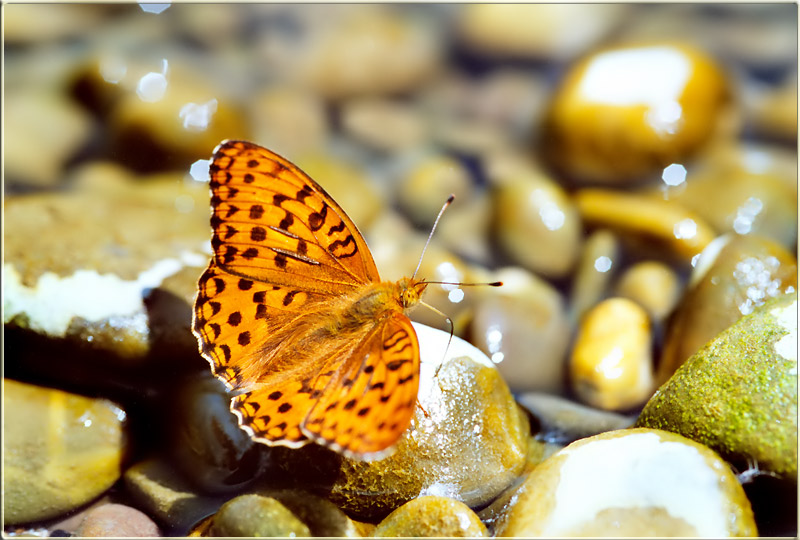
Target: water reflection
[{"x": 153, "y": 86}]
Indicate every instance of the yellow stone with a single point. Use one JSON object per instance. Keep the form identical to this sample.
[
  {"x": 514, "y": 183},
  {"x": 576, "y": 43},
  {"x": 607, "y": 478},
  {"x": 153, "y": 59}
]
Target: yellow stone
[
  {"x": 60, "y": 451},
  {"x": 611, "y": 365},
  {"x": 624, "y": 112},
  {"x": 685, "y": 232},
  {"x": 653, "y": 285}
]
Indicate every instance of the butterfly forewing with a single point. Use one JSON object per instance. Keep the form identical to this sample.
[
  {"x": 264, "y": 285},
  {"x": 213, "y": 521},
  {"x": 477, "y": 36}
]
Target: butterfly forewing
[
  {"x": 270, "y": 219},
  {"x": 286, "y": 260}
]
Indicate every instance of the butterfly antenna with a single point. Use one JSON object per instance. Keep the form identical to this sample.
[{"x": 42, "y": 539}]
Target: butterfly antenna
[
  {"x": 450, "y": 322},
  {"x": 433, "y": 229}
]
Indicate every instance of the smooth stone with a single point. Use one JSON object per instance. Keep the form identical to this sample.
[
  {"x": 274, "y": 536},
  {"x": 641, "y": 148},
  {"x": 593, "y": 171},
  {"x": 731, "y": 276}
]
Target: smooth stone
[
  {"x": 733, "y": 275},
  {"x": 104, "y": 287},
  {"x": 116, "y": 520},
  {"x": 40, "y": 119},
  {"x": 61, "y": 450},
  {"x": 288, "y": 121},
  {"x": 738, "y": 394},
  {"x": 206, "y": 442},
  {"x": 653, "y": 285},
  {"x": 386, "y": 125},
  {"x": 561, "y": 421},
  {"x": 677, "y": 100},
  {"x": 772, "y": 110},
  {"x": 542, "y": 31},
  {"x": 523, "y": 328},
  {"x": 173, "y": 130},
  {"x": 598, "y": 262},
  {"x": 742, "y": 188},
  {"x": 322, "y": 517},
  {"x": 465, "y": 228},
  {"x": 167, "y": 496},
  {"x": 536, "y": 223},
  {"x": 35, "y": 24},
  {"x": 468, "y": 439},
  {"x": 402, "y": 51},
  {"x": 431, "y": 516},
  {"x": 611, "y": 366},
  {"x": 256, "y": 515},
  {"x": 631, "y": 482},
  {"x": 426, "y": 186},
  {"x": 647, "y": 219}
]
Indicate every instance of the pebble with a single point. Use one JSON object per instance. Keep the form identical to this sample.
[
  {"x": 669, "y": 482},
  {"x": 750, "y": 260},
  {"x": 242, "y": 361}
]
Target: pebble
[
  {"x": 322, "y": 517},
  {"x": 288, "y": 121},
  {"x": 34, "y": 24},
  {"x": 536, "y": 31},
  {"x": 644, "y": 482},
  {"x": 167, "y": 123},
  {"x": 64, "y": 451},
  {"x": 432, "y": 516},
  {"x": 390, "y": 126},
  {"x": 42, "y": 119},
  {"x": 116, "y": 520},
  {"x": 647, "y": 219},
  {"x": 738, "y": 394},
  {"x": 733, "y": 276},
  {"x": 562, "y": 421},
  {"x": 536, "y": 223},
  {"x": 772, "y": 110},
  {"x": 676, "y": 100},
  {"x": 427, "y": 185},
  {"x": 611, "y": 364},
  {"x": 469, "y": 444},
  {"x": 523, "y": 328},
  {"x": 401, "y": 52},
  {"x": 256, "y": 515},
  {"x": 598, "y": 263},
  {"x": 653, "y": 285},
  {"x": 743, "y": 188},
  {"x": 206, "y": 442},
  {"x": 158, "y": 488}
]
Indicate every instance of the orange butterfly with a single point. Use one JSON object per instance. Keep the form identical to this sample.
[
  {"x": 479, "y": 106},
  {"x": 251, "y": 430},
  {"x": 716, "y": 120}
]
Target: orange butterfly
[{"x": 293, "y": 317}]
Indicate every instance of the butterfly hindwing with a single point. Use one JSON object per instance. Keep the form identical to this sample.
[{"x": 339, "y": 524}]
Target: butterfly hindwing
[{"x": 372, "y": 399}]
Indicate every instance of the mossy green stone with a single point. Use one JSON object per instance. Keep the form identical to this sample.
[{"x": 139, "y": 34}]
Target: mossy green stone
[{"x": 738, "y": 394}]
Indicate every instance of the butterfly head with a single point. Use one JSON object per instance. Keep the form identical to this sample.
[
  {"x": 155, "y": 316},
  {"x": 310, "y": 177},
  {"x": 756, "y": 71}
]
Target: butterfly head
[{"x": 411, "y": 291}]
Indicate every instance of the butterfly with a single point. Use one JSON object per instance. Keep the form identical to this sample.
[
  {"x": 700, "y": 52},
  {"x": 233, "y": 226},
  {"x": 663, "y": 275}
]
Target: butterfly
[{"x": 293, "y": 317}]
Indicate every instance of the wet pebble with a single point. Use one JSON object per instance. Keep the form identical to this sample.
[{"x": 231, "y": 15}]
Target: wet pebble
[
  {"x": 535, "y": 223},
  {"x": 738, "y": 394},
  {"x": 646, "y": 219},
  {"x": 208, "y": 445},
  {"x": 734, "y": 275},
  {"x": 523, "y": 327},
  {"x": 116, "y": 520},
  {"x": 535, "y": 31},
  {"x": 322, "y": 517},
  {"x": 611, "y": 363},
  {"x": 256, "y": 515},
  {"x": 563, "y": 421},
  {"x": 469, "y": 443},
  {"x": 742, "y": 188},
  {"x": 402, "y": 52},
  {"x": 432, "y": 516},
  {"x": 42, "y": 119},
  {"x": 384, "y": 125},
  {"x": 598, "y": 263},
  {"x": 158, "y": 488},
  {"x": 427, "y": 185},
  {"x": 644, "y": 483},
  {"x": 289, "y": 121},
  {"x": 64, "y": 451},
  {"x": 653, "y": 285},
  {"x": 676, "y": 100}
]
